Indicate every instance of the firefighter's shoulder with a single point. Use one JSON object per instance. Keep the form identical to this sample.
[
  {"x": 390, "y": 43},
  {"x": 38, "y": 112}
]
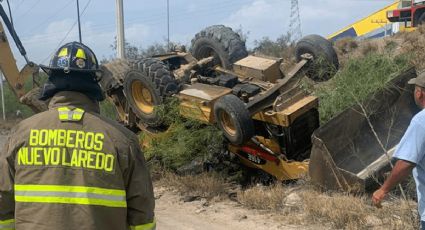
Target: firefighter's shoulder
[{"x": 21, "y": 130}]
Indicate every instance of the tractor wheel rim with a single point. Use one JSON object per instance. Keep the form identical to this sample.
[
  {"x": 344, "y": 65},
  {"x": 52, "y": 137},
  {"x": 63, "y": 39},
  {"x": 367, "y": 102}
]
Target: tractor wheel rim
[
  {"x": 142, "y": 96},
  {"x": 227, "y": 123}
]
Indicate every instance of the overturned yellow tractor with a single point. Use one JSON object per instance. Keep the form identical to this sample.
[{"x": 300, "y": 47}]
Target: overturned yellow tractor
[{"x": 265, "y": 116}]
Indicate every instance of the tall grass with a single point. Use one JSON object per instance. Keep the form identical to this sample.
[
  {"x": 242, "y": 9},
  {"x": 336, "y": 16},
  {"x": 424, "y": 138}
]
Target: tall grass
[
  {"x": 207, "y": 185},
  {"x": 344, "y": 211}
]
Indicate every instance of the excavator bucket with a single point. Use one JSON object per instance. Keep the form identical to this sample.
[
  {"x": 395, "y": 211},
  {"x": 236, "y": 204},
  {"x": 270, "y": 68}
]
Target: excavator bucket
[{"x": 351, "y": 151}]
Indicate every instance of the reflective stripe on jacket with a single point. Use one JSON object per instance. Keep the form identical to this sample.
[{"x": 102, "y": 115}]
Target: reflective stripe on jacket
[
  {"x": 69, "y": 168},
  {"x": 7, "y": 224},
  {"x": 149, "y": 226}
]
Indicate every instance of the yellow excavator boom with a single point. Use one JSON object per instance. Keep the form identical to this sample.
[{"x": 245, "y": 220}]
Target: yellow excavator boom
[{"x": 16, "y": 78}]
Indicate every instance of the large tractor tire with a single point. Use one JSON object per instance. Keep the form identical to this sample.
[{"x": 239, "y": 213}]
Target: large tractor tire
[
  {"x": 146, "y": 86},
  {"x": 114, "y": 73},
  {"x": 221, "y": 42},
  {"x": 325, "y": 60},
  {"x": 233, "y": 119}
]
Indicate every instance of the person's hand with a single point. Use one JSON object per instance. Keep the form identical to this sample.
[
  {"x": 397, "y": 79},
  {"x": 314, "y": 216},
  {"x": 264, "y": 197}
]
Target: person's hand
[{"x": 378, "y": 196}]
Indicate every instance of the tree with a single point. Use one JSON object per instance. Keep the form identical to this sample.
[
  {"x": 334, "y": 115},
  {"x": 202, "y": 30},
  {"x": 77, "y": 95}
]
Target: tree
[
  {"x": 134, "y": 52},
  {"x": 131, "y": 51},
  {"x": 281, "y": 48}
]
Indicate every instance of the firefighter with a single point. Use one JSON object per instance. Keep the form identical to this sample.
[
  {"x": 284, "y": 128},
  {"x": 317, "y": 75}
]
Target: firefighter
[{"x": 69, "y": 167}]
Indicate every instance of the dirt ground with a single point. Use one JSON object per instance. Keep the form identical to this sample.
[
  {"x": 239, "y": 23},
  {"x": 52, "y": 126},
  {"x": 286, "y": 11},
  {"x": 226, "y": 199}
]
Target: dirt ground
[
  {"x": 174, "y": 211},
  {"x": 174, "y": 214}
]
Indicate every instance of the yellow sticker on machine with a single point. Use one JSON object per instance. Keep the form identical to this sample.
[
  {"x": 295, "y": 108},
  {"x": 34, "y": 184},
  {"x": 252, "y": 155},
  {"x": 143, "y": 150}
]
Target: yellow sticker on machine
[{"x": 66, "y": 148}]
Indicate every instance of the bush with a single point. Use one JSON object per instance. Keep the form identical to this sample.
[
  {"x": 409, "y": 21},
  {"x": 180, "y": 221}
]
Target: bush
[
  {"x": 12, "y": 104},
  {"x": 184, "y": 140},
  {"x": 107, "y": 109},
  {"x": 359, "y": 78},
  {"x": 11, "y": 101},
  {"x": 281, "y": 48}
]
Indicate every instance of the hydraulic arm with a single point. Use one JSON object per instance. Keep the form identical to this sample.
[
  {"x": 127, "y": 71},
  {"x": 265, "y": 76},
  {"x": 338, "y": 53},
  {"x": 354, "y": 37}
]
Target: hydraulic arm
[{"x": 15, "y": 77}]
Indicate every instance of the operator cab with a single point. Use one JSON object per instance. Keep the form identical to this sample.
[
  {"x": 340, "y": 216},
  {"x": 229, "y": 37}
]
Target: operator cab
[{"x": 406, "y": 3}]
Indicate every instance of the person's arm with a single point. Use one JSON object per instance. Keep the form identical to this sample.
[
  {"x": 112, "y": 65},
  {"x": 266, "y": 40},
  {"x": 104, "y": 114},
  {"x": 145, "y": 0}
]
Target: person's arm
[
  {"x": 401, "y": 171},
  {"x": 7, "y": 201},
  {"x": 409, "y": 153},
  {"x": 140, "y": 197}
]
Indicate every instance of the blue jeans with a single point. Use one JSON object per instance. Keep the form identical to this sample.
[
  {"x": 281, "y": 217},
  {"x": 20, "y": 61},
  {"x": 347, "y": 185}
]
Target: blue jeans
[{"x": 422, "y": 225}]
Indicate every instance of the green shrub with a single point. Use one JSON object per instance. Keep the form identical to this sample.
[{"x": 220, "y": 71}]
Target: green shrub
[
  {"x": 185, "y": 139},
  {"x": 11, "y": 101},
  {"x": 107, "y": 109},
  {"x": 12, "y": 104},
  {"x": 359, "y": 78}
]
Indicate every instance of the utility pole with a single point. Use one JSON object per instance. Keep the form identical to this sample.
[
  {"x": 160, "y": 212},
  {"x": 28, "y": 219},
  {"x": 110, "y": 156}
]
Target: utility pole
[
  {"x": 168, "y": 24},
  {"x": 120, "y": 29},
  {"x": 79, "y": 23}
]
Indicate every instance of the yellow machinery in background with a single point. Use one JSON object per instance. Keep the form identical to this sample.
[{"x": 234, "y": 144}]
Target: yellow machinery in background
[
  {"x": 15, "y": 77},
  {"x": 373, "y": 26}
]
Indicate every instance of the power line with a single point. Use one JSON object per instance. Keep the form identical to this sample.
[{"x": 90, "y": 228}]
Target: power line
[
  {"x": 206, "y": 8},
  {"x": 151, "y": 20},
  {"x": 29, "y": 9},
  {"x": 10, "y": 12},
  {"x": 155, "y": 20},
  {"x": 69, "y": 31},
  {"x": 158, "y": 18},
  {"x": 17, "y": 6},
  {"x": 57, "y": 11}
]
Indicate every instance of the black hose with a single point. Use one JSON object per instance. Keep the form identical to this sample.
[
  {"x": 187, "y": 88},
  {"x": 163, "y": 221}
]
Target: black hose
[
  {"x": 10, "y": 12},
  {"x": 12, "y": 31}
]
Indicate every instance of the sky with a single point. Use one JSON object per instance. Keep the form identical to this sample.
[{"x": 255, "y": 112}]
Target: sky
[{"x": 43, "y": 25}]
